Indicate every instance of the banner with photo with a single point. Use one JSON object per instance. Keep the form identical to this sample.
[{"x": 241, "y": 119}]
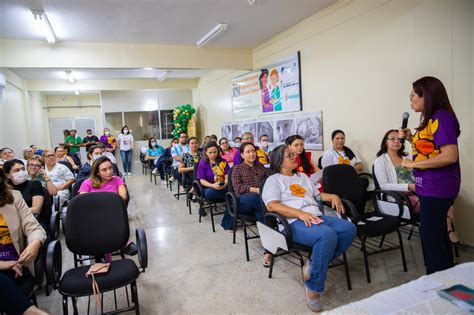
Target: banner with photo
[
  {"x": 270, "y": 90},
  {"x": 308, "y": 125}
]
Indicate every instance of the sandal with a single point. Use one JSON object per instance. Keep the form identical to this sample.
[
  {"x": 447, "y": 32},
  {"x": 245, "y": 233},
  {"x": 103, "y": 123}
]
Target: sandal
[{"x": 267, "y": 260}]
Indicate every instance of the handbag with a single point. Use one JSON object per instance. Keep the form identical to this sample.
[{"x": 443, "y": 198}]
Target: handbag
[{"x": 96, "y": 269}]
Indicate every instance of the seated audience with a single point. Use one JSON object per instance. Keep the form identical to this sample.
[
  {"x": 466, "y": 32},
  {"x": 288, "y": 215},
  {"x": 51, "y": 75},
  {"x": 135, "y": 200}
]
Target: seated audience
[
  {"x": 154, "y": 151},
  {"x": 212, "y": 174},
  {"x": 264, "y": 144},
  {"x": 22, "y": 237},
  {"x": 262, "y": 157},
  {"x": 213, "y": 138},
  {"x": 340, "y": 154},
  {"x": 237, "y": 141},
  {"x": 108, "y": 154},
  {"x": 35, "y": 168},
  {"x": 7, "y": 154},
  {"x": 109, "y": 141},
  {"x": 60, "y": 175},
  {"x": 177, "y": 152},
  {"x": 292, "y": 195},
  {"x": 227, "y": 152},
  {"x": 391, "y": 175},
  {"x": 93, "y": 154},
  {"x": 61, "y": 155},
  {"x": 205, "y": 142},
  {"x": 302, "y": 158},
  {"x": 36, "y": 150},
  {"x": 28, "y": 153},
  {"x": 31, "y": 190},
  {"x": 193, "y": 157},
  {"x": 162, "y": 163}
]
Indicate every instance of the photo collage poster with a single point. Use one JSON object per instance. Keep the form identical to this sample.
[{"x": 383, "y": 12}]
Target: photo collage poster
[{"x": 307, "y": 125}]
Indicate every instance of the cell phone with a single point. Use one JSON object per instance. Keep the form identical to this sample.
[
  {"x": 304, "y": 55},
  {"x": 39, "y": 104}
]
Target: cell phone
[{"x": 221, "y": 184}]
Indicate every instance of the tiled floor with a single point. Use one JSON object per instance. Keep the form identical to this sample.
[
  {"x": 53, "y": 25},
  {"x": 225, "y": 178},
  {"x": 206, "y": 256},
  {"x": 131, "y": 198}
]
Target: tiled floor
[{"x": 193, "y": 270}]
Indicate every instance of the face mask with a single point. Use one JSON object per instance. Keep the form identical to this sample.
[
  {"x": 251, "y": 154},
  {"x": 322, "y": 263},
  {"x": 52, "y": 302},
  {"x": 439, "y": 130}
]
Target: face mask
[
  {"x": 107, "y": 133},
  {"x": 20, "y": 177},
  {"x": 95, "y": 157},
  {"x": 264, "y": 144},
  {"x": 153, "y": 144},
  {"x": 125, "y": 131}
]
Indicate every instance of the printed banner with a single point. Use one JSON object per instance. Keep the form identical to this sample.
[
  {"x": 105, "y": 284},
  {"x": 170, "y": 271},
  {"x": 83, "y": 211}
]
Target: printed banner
[{"x": 275, "y": 89}]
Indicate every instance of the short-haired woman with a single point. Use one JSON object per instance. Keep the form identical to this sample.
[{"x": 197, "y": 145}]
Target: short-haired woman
[
  {"x": 292, "y": 195},
  {"x": 435, "y": 167}
]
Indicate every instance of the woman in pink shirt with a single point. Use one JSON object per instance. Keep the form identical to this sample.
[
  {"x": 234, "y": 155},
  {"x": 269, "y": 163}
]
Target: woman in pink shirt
[
  {"x": 102, "y": 179},
  {"x": 227, "y": 152}
]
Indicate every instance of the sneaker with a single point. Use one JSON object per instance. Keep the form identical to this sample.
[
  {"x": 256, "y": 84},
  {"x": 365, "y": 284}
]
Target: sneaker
[
  {"x": 171, "y": 179},
  {"x": 313, "y": 304},
  {"x": 129, "y": 174},
  {"x": 155, "y": 171},
  {"x": 163, "y": 182}
]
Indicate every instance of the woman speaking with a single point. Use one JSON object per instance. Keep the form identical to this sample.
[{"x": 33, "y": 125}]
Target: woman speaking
[{"x": 435, "y": 167}]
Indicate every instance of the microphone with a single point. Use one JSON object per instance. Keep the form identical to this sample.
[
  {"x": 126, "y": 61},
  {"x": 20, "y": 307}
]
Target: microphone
[{"x": 404, "y": 123}]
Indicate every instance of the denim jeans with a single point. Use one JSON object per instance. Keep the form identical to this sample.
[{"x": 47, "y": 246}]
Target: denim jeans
[
  {"x": 219, "y": 195},
  {"x": 126, "y": 160},
  {"x": 12, "y": 299},
  {"x": 434, "y": 233},
  {"x": 329, "y": 240},
  {"x": 249, "y": 203}
]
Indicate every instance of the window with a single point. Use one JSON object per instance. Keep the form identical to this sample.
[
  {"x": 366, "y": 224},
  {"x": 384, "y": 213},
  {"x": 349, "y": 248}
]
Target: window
[
  {"x": 143, "y": 125},
  {"x": 114, "y": 122},
  {"x": 167, "y": 124}
]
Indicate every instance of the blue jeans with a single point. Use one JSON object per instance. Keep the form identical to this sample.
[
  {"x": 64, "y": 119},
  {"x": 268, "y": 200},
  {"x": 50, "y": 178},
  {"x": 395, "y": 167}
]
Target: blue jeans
[
  {"x": 329, "y": 240},
  {"x": 126, "y": 160},
  {"x": 219, "y": 196},
  {"x": 249, "y": 203},
  {"x": 12, "y": 299}
]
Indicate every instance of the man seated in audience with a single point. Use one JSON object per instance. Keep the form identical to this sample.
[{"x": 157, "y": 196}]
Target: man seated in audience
[
  {"x": 61, "y": 176},
  {"x": 35, "y": 168},
  {"x": 90, "y": 140},
  {"x": 28, "y": 153},
  {"x": 107, "y": 153},
  {"x": 177, "y": 152},
  {"x": 189, "y": 160},
  {"x": 7, "y": 154},
  {"x": 61, "y": 155},
  {"x": 262, "y": 157}
]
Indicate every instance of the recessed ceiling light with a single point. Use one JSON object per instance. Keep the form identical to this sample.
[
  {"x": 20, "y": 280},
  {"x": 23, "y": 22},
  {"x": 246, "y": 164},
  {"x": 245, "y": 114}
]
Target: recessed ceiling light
[
  {"x": 76, "y": 92},
  {"x": 43, "y": 24},
  {"x": 147, "y": 68}
]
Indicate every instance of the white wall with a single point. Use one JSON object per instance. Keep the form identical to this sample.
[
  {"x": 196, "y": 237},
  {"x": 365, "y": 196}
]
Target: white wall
[{"x": 358, "y": 60}]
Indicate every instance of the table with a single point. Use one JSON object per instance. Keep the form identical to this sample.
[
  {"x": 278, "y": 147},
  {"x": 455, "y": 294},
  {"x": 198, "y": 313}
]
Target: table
[{"x": 415, "y": 297}]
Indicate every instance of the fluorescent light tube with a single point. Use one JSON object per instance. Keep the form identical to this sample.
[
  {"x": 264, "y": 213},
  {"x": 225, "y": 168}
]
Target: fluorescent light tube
[
  {"x": 164, "y": 75},
  {"x": 221, "y": 27},
  {"x": 70, "y": 76},
  {"x": 43, "y": 23}
]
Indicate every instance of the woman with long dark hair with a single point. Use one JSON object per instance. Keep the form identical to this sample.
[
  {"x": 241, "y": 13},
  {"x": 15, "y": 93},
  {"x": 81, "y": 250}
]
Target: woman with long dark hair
[
  {"x": 303, "y": 158},
  {"x": 340, "y": 154},
  {"x": 125, "y": 141},
  {"x": 435, "y": 167}
]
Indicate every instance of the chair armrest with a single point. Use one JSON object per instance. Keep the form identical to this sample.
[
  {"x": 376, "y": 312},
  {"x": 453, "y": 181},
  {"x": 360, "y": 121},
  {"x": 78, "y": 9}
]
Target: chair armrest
[
  {"x": 232, "y": 202},
  {"x": 198, "y": 191},
  {"x": 393, "y": 194},
  {"x": 53, "y": 263},
  {"x": 272, "y": 219},
  {"x": 39, "y": 265},
  {"x": 54, "y": 226},
  {"x": 142, "y": 248},
  {"x": 56, "y": 203},
  {"x": 350, "y": 209}
]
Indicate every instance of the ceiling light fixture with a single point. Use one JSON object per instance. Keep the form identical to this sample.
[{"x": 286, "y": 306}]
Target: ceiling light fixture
[
  {"x": 221, "y": 27},
  {"x": 164, "y": 75},
  {"x": 147, "y": 68},
  {"x": 43, "y": 23},
  {"x": 252, "y": 2},
  {"x": 70, "y": 76},
  {"x": 76, "y": 92}
]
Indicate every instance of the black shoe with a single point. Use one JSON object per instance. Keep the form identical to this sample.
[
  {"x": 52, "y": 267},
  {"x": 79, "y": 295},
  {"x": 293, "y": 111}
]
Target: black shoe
[
  {"x": 131, "y": 249},
  {"x": 202, "y": 212}
]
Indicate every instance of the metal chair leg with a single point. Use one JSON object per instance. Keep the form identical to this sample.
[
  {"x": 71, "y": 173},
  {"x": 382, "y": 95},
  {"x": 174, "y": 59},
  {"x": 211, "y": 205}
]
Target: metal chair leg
[
  {"x": 235, "y": 229},
  {"x": 346, "y": 269},
  {"x": 74, "y": 305},
  {"x": 135, "y": 295},
  {"x": 65, "y": 310},
  {"x": 246, "y": 237},
  {"x": 212, "y": 217},
  {"x": 381, "y": 241},
  {"x": 402, "y": 251},
  {"x": 270, "y": 272},
  {"x": 366, "y": 261}
]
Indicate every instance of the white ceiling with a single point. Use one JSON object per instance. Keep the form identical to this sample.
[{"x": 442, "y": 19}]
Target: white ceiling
[
  {"x": 180, "y": 22},
  {"x": 104, "y": 74}
]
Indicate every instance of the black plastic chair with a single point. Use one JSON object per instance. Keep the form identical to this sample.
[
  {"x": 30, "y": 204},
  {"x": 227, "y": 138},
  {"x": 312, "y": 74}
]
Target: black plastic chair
[
  {"x": 343, "y": 181},
  {"x": 205, "y": 204},
  {"x": 86, "y": 236},
  {"x": 274, "y": 220},
  {"x": 68, "y": 165},
  {"x": 247, "y": 221}
]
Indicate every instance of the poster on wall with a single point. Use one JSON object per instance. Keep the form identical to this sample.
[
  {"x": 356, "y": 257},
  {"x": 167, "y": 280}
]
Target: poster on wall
[
  {"x": 270, "y": 90},
  {"x": 278, "y": 128}
]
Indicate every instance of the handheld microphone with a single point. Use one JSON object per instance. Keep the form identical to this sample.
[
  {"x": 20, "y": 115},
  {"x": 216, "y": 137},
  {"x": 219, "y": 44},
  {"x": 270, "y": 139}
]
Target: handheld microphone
[{"x": 404, "y": 122}]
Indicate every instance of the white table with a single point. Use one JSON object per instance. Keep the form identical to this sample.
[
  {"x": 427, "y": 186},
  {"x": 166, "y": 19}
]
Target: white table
[{"x": 410, "y": 299}]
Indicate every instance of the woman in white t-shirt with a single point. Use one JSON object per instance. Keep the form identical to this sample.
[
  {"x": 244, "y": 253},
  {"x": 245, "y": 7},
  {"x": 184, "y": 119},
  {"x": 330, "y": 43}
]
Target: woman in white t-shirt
[
  {"x": 340, "y": 154},
  {"x": 125, "y": 142},
  {"x": 292, "y": 195}
]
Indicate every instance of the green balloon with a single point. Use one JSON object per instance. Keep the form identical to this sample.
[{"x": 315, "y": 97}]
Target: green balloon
[{"x": 192, "y": 111}]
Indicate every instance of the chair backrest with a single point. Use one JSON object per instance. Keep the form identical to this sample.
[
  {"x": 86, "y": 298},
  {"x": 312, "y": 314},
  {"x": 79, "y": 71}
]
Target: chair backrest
[
  {"x": 376, "y": 182},
  {"x": 77, "y": 186},
  {"x": 230, "y": 187},
  {"x": 47, "y": 208},
  {"x": 343, "y": 181},
  {"x": 116, "y": 170},
  {"x": 320, "y": 165},
  {"x": 97, "y": 223},
  {"x": 67, "y": 164}
]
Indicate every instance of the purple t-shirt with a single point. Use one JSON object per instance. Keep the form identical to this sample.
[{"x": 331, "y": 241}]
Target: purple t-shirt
[
  {"x": 205, "y": 170},
  {"x": 111, "y": 186},
  {"x": 443, "y": 182}
]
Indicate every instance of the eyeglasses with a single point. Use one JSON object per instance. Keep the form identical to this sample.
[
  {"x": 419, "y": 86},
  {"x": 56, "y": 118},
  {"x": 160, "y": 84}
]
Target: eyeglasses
[
  {"x": 395, "y": 139},
  {"x": 34, "y": 165},
  {"x": 49, "y": 155}
]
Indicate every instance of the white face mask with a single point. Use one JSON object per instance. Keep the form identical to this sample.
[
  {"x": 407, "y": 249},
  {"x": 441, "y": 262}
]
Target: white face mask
[
  {"x": 107, "y": 133},
  {"x": 125, "y": 131},
  {"x": 95, "y": 157},
  {"x": 153, "y": 144},
  {"x": 264, "y": 144},
  {"x": 19, "y": 177}
]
